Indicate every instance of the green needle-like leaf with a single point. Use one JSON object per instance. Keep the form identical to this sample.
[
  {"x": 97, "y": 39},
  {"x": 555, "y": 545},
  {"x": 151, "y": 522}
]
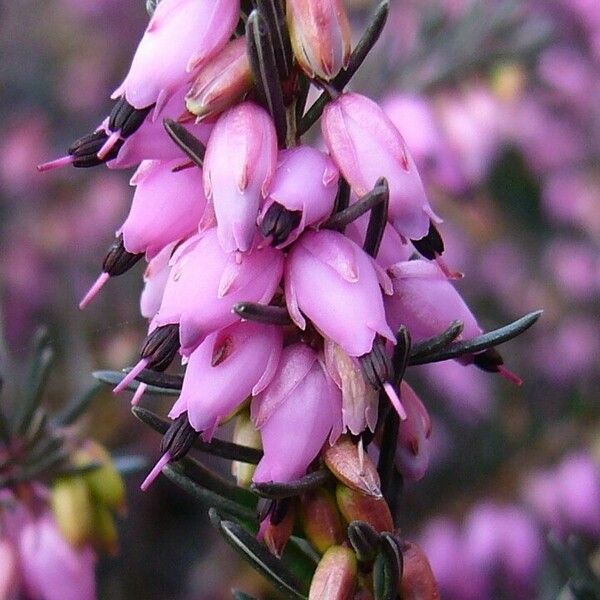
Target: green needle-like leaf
[
  {"x": 482, "y": 342},
  {"x": 189, "y": 143},
  {"x": 259, "y": 557},
  {"x": 305, "y": 484},
  {"x": 114, "y": 377}
]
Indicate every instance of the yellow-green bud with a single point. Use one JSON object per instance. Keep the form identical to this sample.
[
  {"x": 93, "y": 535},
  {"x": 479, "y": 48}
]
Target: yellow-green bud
[
  {"x": 321, "y": 520},
  {"x": 244, "y": 434},
  {"x": 73, "y": 508},
  {"x": 106, "y": 536}
]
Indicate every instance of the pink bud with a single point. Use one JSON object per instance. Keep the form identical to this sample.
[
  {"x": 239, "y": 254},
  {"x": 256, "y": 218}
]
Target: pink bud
[
  {"x": 225, "y": 369},
  {"x": 321, "y": 36},
  {"x": 205, "y": 283},
  {"x": 426, "y": 301},
  {"x": 240, "y": 160},
  {"x": 156, "y": 276},
  {"x": 335, "y": 284},
  {"x": 222, "y": 81},
  {"x": 305, "y": 181},
  {"x": 301, "y": 397},
  {"x": 366, "y": 146},
  {"x": 412, "y": 450},
  {"x": 53, "y": 569},
  {"x": 181, "y": 36},
  {"x": 167, "y": 206}
]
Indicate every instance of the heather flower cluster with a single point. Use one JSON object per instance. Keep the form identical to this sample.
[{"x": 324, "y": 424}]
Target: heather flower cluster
[
  {"x": 59, "y": 494},
  {"x": 294, "y": 282}
]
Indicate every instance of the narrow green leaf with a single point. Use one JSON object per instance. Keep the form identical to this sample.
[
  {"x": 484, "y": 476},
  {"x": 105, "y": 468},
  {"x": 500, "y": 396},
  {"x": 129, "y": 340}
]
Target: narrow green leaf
[
  {"x": 434, "y": 344},
  {"x": 216, "y": 447},
  {"x": 276, "y": 490},
  {"x": 341, "y": 219},
  {"x": 207, "y": 497},
  {"x": 186, "y": 141},
  {"x": 114, "y": 377},
  {"x": 78, "y": 405},
  {"x": 259, "y": 557},
  {"x": 482, "y": 342}
]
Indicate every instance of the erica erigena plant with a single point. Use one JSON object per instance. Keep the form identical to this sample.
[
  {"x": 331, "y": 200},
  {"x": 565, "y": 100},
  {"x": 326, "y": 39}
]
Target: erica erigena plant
[{"x": 296, "y": 284}]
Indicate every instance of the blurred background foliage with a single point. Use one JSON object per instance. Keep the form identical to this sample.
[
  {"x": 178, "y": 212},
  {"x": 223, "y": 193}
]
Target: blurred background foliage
[{"x": 499, "y": 101}]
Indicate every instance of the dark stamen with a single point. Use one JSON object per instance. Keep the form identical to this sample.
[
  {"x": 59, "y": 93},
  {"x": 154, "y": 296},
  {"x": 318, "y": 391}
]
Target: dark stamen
[
  {"x": 117, "y": 260},
  {"x": 160, "y": 347},
  {"x": 85, "y": 150},
  {"x": 376, "y": 365},
  {"x": 431, "y": 245},
  {"x": 179, "y": 438},
  {"x": 490, "y": 360},
  {"x": 279, "y": 222},
  {"x": 126, "y": 118}
]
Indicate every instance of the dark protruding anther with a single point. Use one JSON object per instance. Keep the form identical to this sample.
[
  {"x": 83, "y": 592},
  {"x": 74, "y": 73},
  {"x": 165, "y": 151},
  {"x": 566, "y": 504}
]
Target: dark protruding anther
[
  {"x": 264, "y": 71},
  {"x": 187, "y": 142},
  {"x": 85, "y": 150},
  {"x": 160, "y": 347},
  {"x": 117, "y": 260},
  {"x": 432, "y": 245},
  {"x": 279, "y": 222},
  {"x": 179, "y": 438},
  {"x": 377, "y": 220},
  {"x": 376, "y": 365},
  {"x": 126, "y": 118}
]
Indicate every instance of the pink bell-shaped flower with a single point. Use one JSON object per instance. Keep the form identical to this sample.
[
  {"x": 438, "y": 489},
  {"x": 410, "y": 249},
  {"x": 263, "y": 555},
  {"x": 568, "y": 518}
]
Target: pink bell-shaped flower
[
  {"x": 321, "y": 36},
  {"x": 366, "y": 145},
  {"x": 412, "y": 449},
  {"x": 240, "y": 160},
  {"x": 156, "y": 276},
  {"x": 228, "y": 367},
  {"x": 53, "y": 569},
  {"x": 337, "y": 286},
  {"x": 205, "y": 283},
  {"x": 295, "y": 414},
  {"x": 167, "y": 206},
  {"x": 426, "y": 301},
  {"x": 302, "y": 193},
  {"x": 180, "y": 37}
]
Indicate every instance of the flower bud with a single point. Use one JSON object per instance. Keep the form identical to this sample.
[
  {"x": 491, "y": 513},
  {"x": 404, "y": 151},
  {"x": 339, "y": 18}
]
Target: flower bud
[
  {"x": 300, "y": 396},
  {"x": 53, "y": 569},
  {"x": 167, "y": 206},
  {"x": 73, "y": 509},
  {"x": 321, "y": 36},
  {"x": 335, "y": 577},
  {"x": 321, "y": 520},
  {"x": 324, "y": 266},
  {"x": 418, "y": 581},
  {"x": 353, "y": 467},
  {"x": 245, "y": 434},
  {"x": 105, "y": 483},
  {"x": 412, "y": 449},
  {"x": 106, "y": 536},
  {"x": 223, "y": 81},
  {"x": 355, "y": 506},
  {"x": 240, "y": 160},
  {"x": 156, "y": 276},
  {"x": 181, "y": 36},
  {"x": 365, "y": 145},
  {"x": 225, "y": 369}
]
